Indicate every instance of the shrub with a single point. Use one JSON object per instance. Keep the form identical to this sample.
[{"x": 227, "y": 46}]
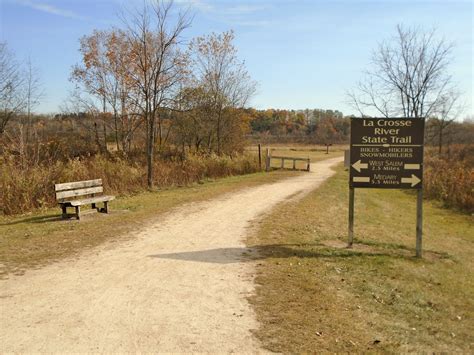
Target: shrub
[
  {"x": 27, "y": 187},
  {"x": 450, "y": 177}
]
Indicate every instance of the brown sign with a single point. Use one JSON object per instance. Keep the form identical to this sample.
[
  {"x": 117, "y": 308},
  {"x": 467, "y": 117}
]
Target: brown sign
[{"x": 386, "y": 153}]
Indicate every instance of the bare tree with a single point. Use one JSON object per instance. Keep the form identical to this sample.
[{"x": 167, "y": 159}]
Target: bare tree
[
  {"x": 222, "y": 75},
  {"x": 12, "y": 95},
  {"x": 156, "y": 67},
  {"x": 85, "y": 107},
  {"x": 447, "y": 111},
  {"x": 33, "y": 94},
  {"x": 409, "y": 76}
]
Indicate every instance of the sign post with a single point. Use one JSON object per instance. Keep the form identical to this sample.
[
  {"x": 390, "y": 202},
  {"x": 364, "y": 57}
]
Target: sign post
[
  {"x": 419, "y": 221},
  {"x": 351, "y": 216},
  {"x": 387, "y": 153}
]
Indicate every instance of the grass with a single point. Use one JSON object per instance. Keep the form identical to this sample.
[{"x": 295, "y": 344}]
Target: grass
[
  {"x": 36, "y": 239},
  {"x": 41, "y": 237},
  {"x": 313, "y": 294}
]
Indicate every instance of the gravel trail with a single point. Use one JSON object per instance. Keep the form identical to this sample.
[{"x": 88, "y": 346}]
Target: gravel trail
[{"x": 180, "y": 285}]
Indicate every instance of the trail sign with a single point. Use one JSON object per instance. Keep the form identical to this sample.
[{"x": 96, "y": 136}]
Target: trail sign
[{"x": 386, "y": 153}]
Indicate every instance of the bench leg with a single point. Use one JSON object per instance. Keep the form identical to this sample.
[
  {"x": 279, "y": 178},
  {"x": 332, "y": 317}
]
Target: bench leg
[
  {"x": 106, "y": 206},
  {"x": 64, "y": 209},
  {"x": 78, "y": 212},
  {"x": 93, "y": 206}
]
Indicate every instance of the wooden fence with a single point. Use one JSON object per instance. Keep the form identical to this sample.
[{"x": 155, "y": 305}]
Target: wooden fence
[{"x": 283, "y": 159}]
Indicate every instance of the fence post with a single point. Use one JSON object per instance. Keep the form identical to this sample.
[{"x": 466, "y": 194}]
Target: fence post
[
  {"x": 294, "y": 164},
  {"x": 308, "y": 168},
  {"x": 259, "y": 157},
  {"x": 267, "y": 162}
]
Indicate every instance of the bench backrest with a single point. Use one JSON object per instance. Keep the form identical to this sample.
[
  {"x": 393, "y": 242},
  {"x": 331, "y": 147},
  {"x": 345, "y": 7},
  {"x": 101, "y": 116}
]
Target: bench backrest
[{"x": 69, "y": 190}]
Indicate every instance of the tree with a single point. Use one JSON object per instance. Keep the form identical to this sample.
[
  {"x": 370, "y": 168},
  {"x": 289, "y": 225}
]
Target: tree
[
  {"x": 12, "y": 94},
  {"x": 326, "y": 132},
  {"x": 33, "y": 94},
  {"x": 192, "y": 126},
  {"x": 447, "y": 111},
  {"x": 85, "y": 108},
  {"x": 408, "y": 76},
  {"x": 104, "y": 75},
  {"x": 223, "y": 76},
  {"x": 156, "y": 67}
]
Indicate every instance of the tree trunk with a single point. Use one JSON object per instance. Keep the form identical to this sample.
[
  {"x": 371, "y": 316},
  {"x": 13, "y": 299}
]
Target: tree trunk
[
  {"x": 150, "y": 151},
  {"x": 97, "y": 140},
  {"x": 105, "y": 139},
  {"x": 116, "y": 131},
  {"x": 440, "y": 140},
  {"x": 219, "y": 134}
]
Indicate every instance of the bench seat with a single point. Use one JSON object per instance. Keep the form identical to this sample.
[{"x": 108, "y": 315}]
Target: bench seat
[{"x": 88, "y": 201}]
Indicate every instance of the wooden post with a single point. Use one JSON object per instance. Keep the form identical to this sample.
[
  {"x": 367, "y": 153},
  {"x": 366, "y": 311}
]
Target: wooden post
[
  {"x": 259, "y": 157},
  {"x": 282, "y": 163},
  {"x": 308, "y": 168},
  {"x": 78, "y": 212},
  {"x": 294, "y": 164},
  {"x": 351, "y": 217},
  {"x": 64, "y": 209},
  {"x": 267, "y": 163},
  {"x": 419, "y": 222}
]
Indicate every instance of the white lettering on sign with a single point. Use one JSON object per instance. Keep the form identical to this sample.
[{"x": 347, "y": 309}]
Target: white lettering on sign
[
  {"x": 387, "y": 123},
  {"x": 367, "y": 139},
  {"x": 391, "y": 131}
]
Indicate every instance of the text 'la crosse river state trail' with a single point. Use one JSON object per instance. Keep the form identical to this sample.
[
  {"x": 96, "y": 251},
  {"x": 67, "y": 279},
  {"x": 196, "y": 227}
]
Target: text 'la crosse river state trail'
[{"x": 386, "y": 153}]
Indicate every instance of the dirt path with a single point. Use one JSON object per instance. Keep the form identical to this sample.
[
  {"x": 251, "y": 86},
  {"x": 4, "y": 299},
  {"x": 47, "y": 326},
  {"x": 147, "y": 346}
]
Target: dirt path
[{"x": 180, "y": 286}]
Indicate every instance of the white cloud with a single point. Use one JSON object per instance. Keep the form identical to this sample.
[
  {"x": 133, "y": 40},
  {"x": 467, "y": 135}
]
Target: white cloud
[
  {"x": 232, "y": 12},
  {"x": 50, "y": 9},
  {"x": 244, "y": 9},
  {"x": 200, "y": 5}
]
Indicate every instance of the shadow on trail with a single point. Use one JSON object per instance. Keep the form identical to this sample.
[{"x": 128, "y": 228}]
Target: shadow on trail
[
  {"x": 237, "y": 255},
  {"x": 35, "y": 219}
]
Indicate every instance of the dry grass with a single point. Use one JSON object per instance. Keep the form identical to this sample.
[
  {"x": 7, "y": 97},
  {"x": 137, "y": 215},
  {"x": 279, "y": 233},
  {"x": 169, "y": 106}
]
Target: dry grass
[
  {"x": 26, "y": 187},
  {"x": 450, "y": 177},
  {"x": 39, "y": 238},
  {"x": 314, "y": 295}
]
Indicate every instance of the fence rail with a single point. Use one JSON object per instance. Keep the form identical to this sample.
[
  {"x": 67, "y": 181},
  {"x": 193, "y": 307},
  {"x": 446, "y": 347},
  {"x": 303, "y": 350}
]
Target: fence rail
[{"x": 282, "y": 158}]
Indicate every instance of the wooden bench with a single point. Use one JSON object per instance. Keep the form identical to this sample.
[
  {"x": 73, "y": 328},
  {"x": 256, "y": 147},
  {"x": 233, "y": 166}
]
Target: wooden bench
[{"x": 76, "y": 194}]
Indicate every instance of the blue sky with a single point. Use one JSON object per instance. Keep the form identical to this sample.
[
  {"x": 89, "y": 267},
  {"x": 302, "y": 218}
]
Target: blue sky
[{"x": 302, "y": 53}]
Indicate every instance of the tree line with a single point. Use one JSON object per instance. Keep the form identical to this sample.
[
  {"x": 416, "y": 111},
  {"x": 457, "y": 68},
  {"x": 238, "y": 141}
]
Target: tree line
[
  {"x": 144, "y": 85},
  {"x": 142, "y": 88}
]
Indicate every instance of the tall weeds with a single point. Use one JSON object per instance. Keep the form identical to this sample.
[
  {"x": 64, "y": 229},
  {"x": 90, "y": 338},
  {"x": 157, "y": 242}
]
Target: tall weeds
[
  {"x": 450, "y": 177},
  {"x": 25, "y": 188}
]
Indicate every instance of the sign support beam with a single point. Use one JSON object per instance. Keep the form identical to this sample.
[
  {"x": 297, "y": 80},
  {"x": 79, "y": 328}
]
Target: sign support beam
[
  {"x": 419, "y": 222},
  {"x": 351, "y": 217}
]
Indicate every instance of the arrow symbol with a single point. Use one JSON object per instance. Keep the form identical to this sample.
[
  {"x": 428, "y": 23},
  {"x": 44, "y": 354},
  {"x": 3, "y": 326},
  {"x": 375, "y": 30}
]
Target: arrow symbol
[
  {"x": 361, "y": 179},
  {"x": 413, "y": 180},
  {"x": 358, "y": 165},
  {"x": 412, "y": 166}
]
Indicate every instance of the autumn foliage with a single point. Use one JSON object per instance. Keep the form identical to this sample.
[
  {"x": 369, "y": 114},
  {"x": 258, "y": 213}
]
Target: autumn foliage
[{"x": 449, "y": 177}]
